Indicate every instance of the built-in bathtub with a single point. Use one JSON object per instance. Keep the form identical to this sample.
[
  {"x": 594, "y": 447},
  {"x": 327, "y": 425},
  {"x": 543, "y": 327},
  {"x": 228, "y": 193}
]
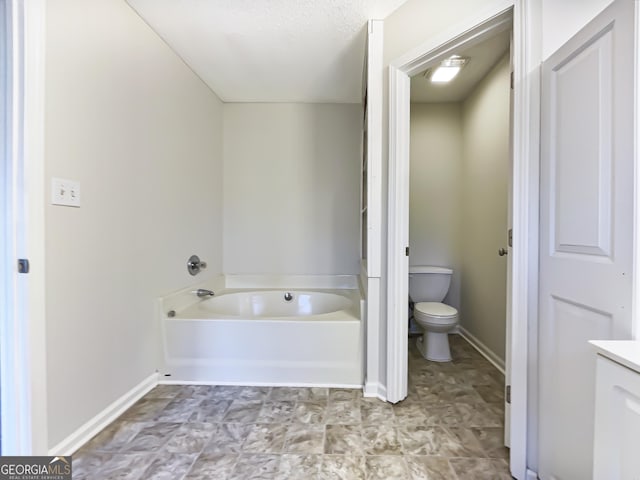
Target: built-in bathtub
[{"x": 300, "y": 333}]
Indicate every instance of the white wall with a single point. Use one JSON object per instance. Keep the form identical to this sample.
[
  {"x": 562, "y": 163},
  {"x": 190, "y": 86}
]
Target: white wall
[
  {"x": 484, "y": 187},
  {"x": 562, "y": 19},
  {"x": 291, "y": 188},
  {"x": 418, "y": 21},
  {"x": 435, "y": 189},
  {"x": 143, "y": 135}
]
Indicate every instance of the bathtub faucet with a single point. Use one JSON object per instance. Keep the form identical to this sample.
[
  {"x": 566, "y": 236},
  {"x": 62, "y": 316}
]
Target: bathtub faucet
[{"x": 201, "y": 292}]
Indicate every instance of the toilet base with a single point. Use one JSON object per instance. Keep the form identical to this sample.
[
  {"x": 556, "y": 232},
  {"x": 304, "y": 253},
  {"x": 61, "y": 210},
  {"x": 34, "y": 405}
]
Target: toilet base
[{"x": 434, "y": 346}]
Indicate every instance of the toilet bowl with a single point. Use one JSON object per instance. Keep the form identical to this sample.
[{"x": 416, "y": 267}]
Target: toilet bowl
[
  {"x": 437, "y": 320},
  {"x": 428, "y": 286}
]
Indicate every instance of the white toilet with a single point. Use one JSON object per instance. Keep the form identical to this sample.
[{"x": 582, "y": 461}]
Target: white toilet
[{"x": 427, "y": 288}]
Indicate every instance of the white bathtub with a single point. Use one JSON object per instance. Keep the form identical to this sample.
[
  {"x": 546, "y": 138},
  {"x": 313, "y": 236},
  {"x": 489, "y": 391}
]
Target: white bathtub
[
  {"x": 257, "y": 337},
  {"x": 271, "y": 304}
]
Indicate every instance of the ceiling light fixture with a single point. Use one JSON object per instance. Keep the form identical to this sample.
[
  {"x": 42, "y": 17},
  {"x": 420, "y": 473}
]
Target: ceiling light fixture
[{"x": 448, "y": 69}]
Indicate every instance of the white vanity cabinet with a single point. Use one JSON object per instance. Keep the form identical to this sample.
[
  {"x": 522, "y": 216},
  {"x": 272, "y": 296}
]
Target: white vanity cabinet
[{"x": 617, "y": 422}]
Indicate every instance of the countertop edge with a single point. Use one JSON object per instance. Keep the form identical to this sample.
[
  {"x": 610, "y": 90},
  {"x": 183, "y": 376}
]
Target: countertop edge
[{"x": 624, "y": 352}]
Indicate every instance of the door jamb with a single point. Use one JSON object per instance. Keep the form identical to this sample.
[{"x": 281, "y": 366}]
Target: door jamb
[
  {"x": 34, "y": 24},
  {"x": 635, "y": 288},
  {"x": 24, "y": 358}
]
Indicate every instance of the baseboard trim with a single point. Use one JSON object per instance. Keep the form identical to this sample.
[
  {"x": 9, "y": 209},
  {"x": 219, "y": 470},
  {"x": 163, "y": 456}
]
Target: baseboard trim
[
  {"x": 87, "y": 431},
  {"x": 485, "y": 351},
  {"x": 531, "y": 475},
  {"x": 375, "y": 390}
]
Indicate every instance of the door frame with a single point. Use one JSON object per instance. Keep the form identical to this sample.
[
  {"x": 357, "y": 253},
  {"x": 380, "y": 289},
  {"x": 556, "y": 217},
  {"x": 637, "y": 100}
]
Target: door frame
[
  {"x": 525, "y": 197},
  {"x": 23, "y": 355},
  {"x": 635, "y": 285}
]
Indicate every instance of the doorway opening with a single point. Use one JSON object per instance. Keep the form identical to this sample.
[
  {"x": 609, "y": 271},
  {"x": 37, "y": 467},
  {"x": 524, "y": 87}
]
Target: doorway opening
[
  {"x": 521, "y": 276},
  {"x": 459, "y": 188}
]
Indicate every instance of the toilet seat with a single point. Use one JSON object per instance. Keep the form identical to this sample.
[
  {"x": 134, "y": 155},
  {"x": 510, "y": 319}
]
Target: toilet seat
[{"x": 435, "y": 313}]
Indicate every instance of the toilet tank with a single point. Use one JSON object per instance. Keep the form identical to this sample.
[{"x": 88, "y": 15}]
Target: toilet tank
[{"x": 429, "y": 284}]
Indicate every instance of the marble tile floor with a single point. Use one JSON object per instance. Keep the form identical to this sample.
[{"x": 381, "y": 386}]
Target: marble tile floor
[{"x": 449, "y": 427}]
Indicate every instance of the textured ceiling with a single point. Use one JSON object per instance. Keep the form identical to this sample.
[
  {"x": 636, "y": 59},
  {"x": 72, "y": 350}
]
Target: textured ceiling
[
  {"x": 270, "y": 50},
  {"x": 482, "y": 57}
]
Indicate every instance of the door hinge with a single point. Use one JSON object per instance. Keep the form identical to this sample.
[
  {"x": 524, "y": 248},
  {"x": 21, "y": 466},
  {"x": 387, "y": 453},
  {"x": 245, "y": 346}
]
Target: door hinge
[
  {"x": 511, "y": 237},
  {"x": 507, "y": 394},
  {"x": 23, "y": 265},
  {"x": 511, "y": 80},
  {"x": 406, "y": 251}
]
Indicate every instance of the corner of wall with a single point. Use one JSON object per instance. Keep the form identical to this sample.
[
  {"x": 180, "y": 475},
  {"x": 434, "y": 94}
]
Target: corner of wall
[{"x": 140, "y": 131}]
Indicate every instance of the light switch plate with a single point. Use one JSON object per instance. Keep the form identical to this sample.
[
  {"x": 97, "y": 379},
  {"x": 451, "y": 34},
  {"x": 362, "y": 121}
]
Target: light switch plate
[{"x": 65, "y": 192}]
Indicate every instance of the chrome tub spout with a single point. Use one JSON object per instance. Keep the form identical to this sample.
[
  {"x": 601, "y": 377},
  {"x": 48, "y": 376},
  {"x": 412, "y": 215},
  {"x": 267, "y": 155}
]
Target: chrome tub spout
[{"x": 201, "y": 292}]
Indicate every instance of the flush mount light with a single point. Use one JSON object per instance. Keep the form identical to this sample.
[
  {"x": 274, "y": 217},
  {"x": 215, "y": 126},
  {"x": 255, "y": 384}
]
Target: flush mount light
[{"x": 448, "y": 69}]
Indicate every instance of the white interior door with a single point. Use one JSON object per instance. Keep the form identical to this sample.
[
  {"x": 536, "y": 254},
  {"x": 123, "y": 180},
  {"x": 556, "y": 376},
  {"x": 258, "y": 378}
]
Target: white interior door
[{"x": 586, "y": 229}]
